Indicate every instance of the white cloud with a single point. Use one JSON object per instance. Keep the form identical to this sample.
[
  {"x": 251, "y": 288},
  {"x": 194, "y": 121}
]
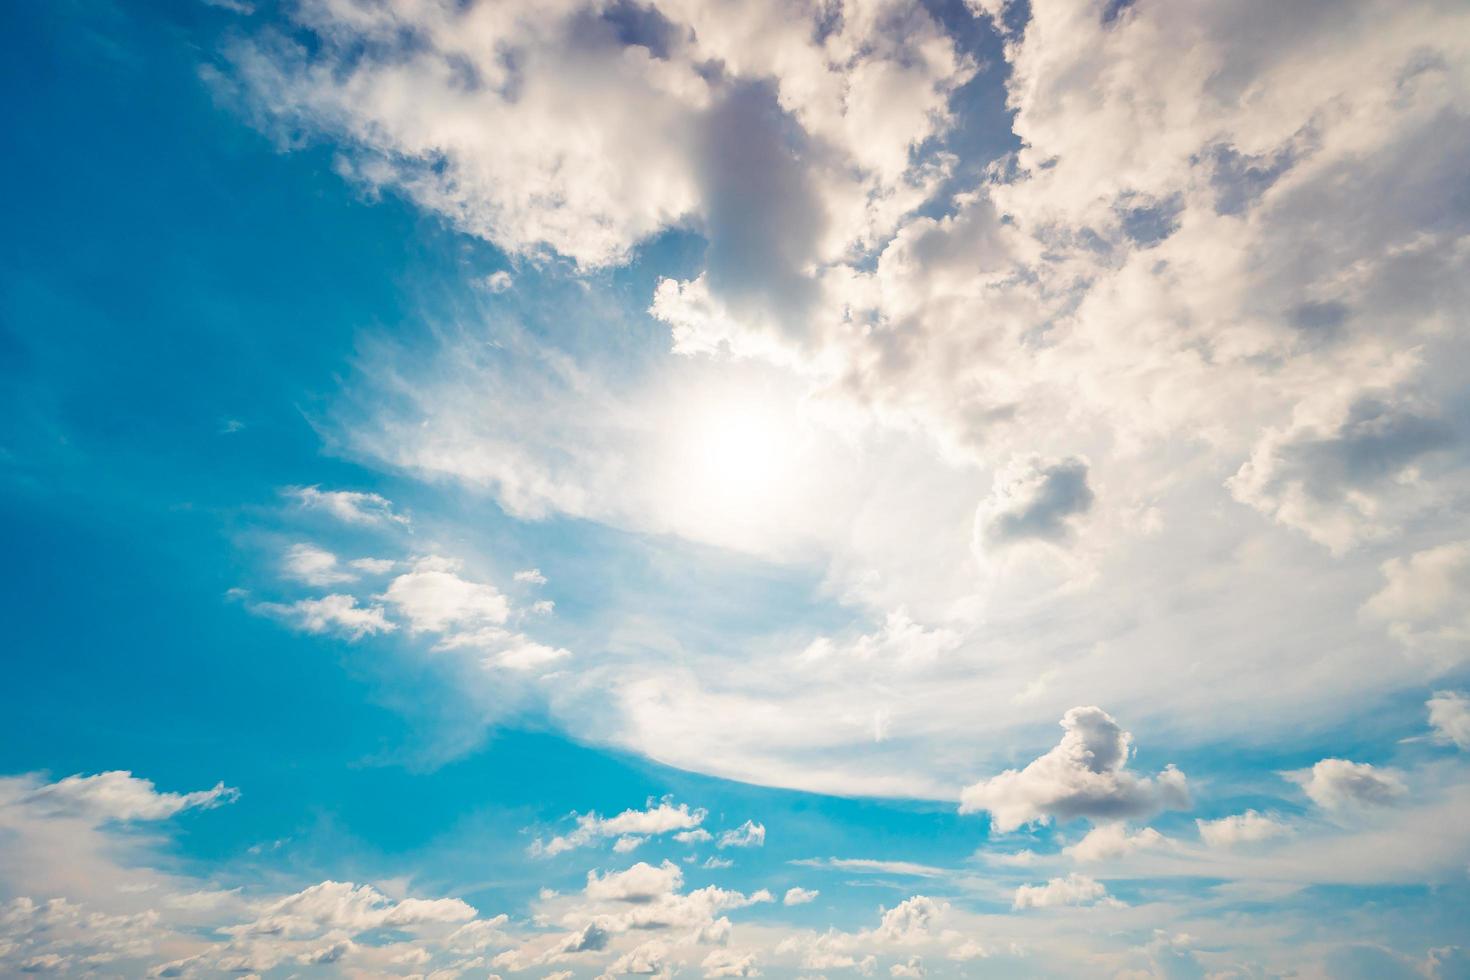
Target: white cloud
[
  {"x": 314, "y": 566},
  {"x": 1034, "y": 500},
  {"x": 1449, "y": 716},
  {"x": 1074, "y": 889},
  {"x": 748, "y": 834},
  {"x": 1337, "y": 784},
  {"x": 1422, "y": 600},
  {"x": 1112, "y": 840},
  {"x": 120, "y": 795},
  {"x": 334, "y": 613},
  {"x": 348, "y": 506},
  {"x": 1242, "y": 828},
  {"x": 434, "y": 598},
  {"x": 875, "y": 866},
  {"x": 653, "y": 820},
  {"x": 530, "y": 576},
  {"x": 910, "y": 920},
  {"x": 913, "y": 968},
  {"x": 1085, "y": 775},
  {"x": 729, "y": 963},
  {"x": 799, "y": 896}
]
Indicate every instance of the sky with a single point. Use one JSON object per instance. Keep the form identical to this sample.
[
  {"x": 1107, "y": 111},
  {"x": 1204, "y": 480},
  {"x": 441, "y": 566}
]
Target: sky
[{"x": 573, "y": 489}]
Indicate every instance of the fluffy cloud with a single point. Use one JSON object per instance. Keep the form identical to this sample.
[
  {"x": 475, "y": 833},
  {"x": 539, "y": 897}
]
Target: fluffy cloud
[
  {"x": 748, "y": 834},
  {"x": 435, "y": 598},
  {"x": 1112, "y": 840},
  {"x": 1085, "y": 775},
  {"x": 122, "y": 796},
  {"x": 1422, "y": 600},
  {"x": 1449, "y": 716},
  {"x": 348, "y": 506},
  {"x": 336, "y": 613},
  {"x": 641, "y": 883},
  {"x": 799, "y": 896},
  {"x": 1337, "y": 784},
  {"x": 1072, "y": 890},
  {"x": 314, "y": 566},
  {"x": 663, "y": 818},
  {"x": 1241, "y": 828}
]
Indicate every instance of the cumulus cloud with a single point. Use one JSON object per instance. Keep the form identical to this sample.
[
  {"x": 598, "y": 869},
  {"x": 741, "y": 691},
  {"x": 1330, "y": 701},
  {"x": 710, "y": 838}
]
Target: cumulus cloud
[
  {"x": 336, "y": 613},
  {"x": 641, "y": 883},
  {"x": 1337, "y": 784},
  {"x": 912, "y": 968},
  {"x": 910, "y": 920},
  {"x": 1074, "y": 889},
  {"x": 347, "y": 506},
  {"x": 661, "y": 818},
  {"x": 120, "y": 795},
  {"x": 799, "y": 896},
  {"x": 748, "y": 834},
  {"x": 1085, "y": 775},
  {"x": 1449, "y": 716},
  {"x": 729, "y": 963},
  {"x": 1422, "y": 600},
  {"x": 1035, "y": 500},
  {"x": 314, "y": 566},
  {"x": 1242, "y": 828},
  {"x": 433, "y": 597},
  {"x": 1112, "y": 840}
]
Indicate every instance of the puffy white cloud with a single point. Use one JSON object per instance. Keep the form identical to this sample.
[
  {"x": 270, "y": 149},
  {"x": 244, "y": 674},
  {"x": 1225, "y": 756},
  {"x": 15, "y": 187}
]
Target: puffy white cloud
[
  {"x": 336, "y": 613},
  {"x": 1112, "y": 840},
  {"x": 1337, "y": 784},
  {"x": 120, "y": 795},
  {"x": 1074, "y": 889},
  {"x": 648, "y": 958},
  {"x": 748, "y": 834},
  {"x": 348, "y": 506},
  {"x": 333, "y": 905},
  {"x": 799, "y": 896},
  {"x": 662, "y": 818},
  {"x": 530, "y": 576},
  {"x": 435, "y": 598},
  {"x": 912, "y": 968},
  {"x": 641, "y": 883},
  {"x": 729, "y": 963},
  {"x": 314, "y": 566},
  {"x": 910, "y": 920},
  {"x": 1449, "y": 716},
  {"x": 1085, "y": 775},
  {"x": 1241, "y": 828},
  {"x": 1422, "y": 600}
]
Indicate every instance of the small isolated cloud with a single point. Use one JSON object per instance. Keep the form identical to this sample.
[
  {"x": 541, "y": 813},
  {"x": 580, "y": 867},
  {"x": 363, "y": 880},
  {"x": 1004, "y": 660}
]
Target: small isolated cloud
[
  {"x": 748, "y": 834},
  {"x": 374, "y": 566},
  {"x": 530, "y": 576},
  {"x": 336, "y": 613},
  {"x": 1074, "y": 889},
  {"x": 648, "y": 822},
  {"x": 1337, "y": 784},
  {"x": 696, "y": 836},
  {"x": 799, "y": 896},
  {"x": 119, "y": 795},
  {"x": 435, "y": 598},
  {"x": 314, "y": 566},
  {"x": 347, "y": 506},
  {"x": 499, "y": 281},
  {"x": 717, "y": 864},
  {"x": 625, "y": 845},
  {"x": 1449, "y": 716},
  {"x": 1085, "y": 775},
  {"x": 1112, "y": 840},
  {"x": 1034, "y": 500},
  {"x": 1243, "y": 828}
]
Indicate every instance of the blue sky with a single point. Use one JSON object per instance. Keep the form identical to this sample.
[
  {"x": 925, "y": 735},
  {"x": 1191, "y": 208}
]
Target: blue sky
[{"x": 588, "y": 489}]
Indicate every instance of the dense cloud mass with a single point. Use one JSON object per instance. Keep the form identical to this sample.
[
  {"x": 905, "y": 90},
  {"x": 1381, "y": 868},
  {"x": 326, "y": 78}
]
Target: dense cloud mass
[
  {"x": 875, "y": 381},
  {"x": 1084, "y": 776}
]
